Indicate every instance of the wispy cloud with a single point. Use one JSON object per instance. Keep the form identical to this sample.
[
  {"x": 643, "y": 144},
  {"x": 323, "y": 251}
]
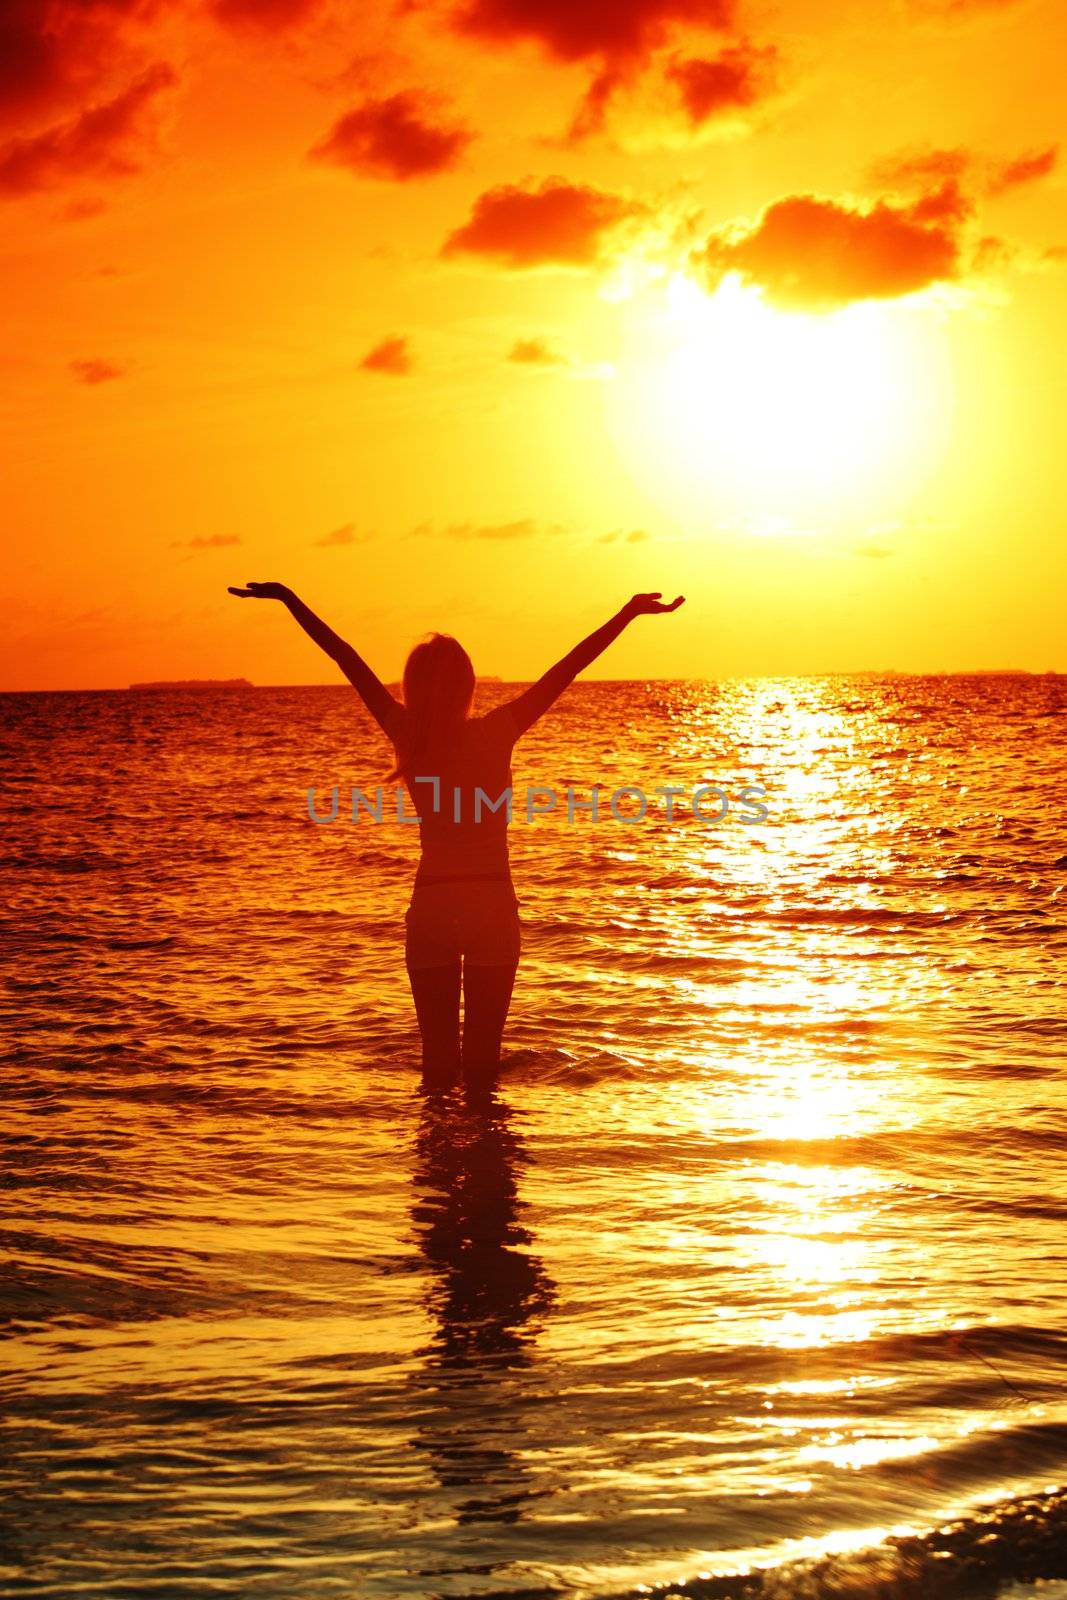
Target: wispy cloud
[
  {"x": 213, "y": 541},
  {"x": 537, "y": 353},
  {"x": 94, "y": 369},
  {"x": 341, "y": 538},
  {"x": 1025, "y": 168},
  {"x": 956, "y": 164},
  {"x": 392, "y": 357},
  {"x": 83, "y": 209},
  {"x": 521, "y": 528}
]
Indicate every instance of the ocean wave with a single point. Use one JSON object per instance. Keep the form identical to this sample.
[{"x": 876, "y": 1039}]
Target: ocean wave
[{"x": 1010, "y": 1541}]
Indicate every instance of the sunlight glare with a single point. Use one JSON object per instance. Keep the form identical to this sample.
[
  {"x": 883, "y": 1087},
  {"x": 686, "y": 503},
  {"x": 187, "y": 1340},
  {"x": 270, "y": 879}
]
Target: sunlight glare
[{"x": 777, "y": 414}]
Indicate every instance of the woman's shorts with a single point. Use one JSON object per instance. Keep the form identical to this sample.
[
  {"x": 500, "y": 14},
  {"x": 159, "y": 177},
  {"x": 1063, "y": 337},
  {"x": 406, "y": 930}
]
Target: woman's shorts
[{"x": 476, "y": 922}]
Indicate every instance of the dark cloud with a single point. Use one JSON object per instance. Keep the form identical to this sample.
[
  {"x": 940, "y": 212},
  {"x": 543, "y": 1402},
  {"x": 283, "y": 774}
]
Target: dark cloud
[
  {"x": 391, "y": 356},
  {"x": 559, "y": 223},
  {"x": 394, "y": 138},
  {"x": 734, "y": 79},
  {"x": 808, "y": 253},
  {"x": 102, "y": 142},
  {"x": 944, "y": 183},
  {"x": 624, "y": 536},
  {"x": 536, "y": 353},
  {"x": 54, "y": 52},
  {"x": 577, "y": 30},
  {"x": 620, "y": 37},
  {"x": 57, "y": 55},
  {"x": 33, "y": 66},
  {"x": 94, "y": 369}
]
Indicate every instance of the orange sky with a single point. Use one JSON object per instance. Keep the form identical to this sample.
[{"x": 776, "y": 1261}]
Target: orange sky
[{"x": 482, "y": 314}]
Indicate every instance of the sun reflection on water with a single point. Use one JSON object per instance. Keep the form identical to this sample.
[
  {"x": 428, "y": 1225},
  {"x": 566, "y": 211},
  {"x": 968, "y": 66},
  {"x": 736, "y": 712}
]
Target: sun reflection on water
[{"x": 757, "y": 1258}]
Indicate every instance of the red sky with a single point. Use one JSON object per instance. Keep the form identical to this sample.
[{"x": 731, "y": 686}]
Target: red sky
[{"x": 481, "y": 316}]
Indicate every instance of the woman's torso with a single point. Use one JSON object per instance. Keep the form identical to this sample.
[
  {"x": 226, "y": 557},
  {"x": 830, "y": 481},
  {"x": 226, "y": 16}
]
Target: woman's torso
[{"x": 464, "y": 813}]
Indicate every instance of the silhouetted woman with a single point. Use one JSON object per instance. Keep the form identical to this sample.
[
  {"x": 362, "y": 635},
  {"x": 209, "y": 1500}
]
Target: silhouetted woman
[{"x": 463, "y": 921}]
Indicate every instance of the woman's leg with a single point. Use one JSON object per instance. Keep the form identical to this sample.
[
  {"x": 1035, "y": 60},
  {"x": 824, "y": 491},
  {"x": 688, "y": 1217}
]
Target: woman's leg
[
  {"x": 432, "y": 956},
  {"x": 486, "y": 998},
  {"x": 492, "y": 944},
  {"x": 435, "y": 991}
]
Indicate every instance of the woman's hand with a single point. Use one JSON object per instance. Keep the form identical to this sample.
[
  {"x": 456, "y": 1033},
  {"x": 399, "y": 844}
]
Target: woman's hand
[
  {"x": 262, "y": 591},
  {"x": 651, "y": 605}
]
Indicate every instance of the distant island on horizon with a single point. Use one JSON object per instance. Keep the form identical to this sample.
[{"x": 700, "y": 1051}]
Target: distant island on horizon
[
  {"x": 395, "y": 686},
  {"x": 195, "y": 683}
]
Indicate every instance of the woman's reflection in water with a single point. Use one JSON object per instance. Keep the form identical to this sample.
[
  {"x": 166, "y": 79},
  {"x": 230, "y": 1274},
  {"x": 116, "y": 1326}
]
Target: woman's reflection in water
[{"x": 487, "y": 1296}]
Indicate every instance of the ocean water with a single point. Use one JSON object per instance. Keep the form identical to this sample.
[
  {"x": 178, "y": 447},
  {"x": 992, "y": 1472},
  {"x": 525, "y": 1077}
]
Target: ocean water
[{"x": 753, "y": 1265}]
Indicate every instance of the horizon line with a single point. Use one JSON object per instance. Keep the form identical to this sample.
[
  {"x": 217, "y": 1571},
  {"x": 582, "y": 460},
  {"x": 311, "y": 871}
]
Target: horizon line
[{"x": 192, "y": 685}]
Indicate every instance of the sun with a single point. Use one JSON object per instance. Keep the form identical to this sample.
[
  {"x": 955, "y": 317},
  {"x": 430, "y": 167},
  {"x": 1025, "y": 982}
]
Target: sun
[{"x": 724, "y": 403}]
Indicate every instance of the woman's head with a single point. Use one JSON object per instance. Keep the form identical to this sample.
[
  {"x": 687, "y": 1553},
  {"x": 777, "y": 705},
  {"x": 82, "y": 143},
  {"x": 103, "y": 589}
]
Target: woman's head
[
  {"x": 438, "y": 693},
  {"x": 439, "y": 679}
]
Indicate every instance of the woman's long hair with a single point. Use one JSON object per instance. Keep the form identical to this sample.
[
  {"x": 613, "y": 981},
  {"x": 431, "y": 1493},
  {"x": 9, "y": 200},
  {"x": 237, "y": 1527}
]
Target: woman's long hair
[{"x": 438, "y": 691}]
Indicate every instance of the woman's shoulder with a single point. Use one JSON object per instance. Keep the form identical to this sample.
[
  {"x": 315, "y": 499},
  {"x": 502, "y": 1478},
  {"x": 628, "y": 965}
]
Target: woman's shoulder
[{"x": 497, "y": 724}]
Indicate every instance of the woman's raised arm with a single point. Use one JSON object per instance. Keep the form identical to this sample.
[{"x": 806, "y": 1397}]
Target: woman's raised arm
[
  {"x": 535, "y": 701},
  {"x": 385, "y": 710}
]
